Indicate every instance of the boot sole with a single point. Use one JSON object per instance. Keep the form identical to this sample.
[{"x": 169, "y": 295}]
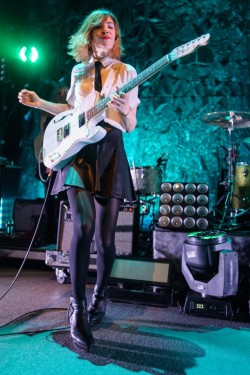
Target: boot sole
[
  {"x": 82, "y": 347},
  {"x": 95, "y": 321}
]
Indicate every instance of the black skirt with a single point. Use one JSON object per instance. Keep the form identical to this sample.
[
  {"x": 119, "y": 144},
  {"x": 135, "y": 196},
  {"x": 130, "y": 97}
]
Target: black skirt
[{"x": 101, "y": 168}]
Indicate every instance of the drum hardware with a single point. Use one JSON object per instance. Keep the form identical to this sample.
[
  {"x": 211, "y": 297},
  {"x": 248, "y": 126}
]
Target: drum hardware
[
  {"x": 161, "y": 162},
  {"x": 147, "y": 184},
  {"x": 230, "y": 121},
  {"x": 146, "y": 180},
  {"x": 147, "y": 207}
]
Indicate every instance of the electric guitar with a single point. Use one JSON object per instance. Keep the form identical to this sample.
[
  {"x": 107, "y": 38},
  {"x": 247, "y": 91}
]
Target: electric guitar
[{"x": 71, "y": 130}]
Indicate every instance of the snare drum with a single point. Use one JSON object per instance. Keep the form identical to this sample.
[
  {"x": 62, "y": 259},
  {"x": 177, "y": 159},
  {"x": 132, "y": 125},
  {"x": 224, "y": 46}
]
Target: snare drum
[
  {"x": 146, "y": 180},
  {"x": 241, "y": 194}
]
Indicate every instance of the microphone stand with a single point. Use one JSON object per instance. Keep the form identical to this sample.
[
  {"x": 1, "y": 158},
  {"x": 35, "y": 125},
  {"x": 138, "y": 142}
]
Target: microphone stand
[{"x": 229, "y": 182}]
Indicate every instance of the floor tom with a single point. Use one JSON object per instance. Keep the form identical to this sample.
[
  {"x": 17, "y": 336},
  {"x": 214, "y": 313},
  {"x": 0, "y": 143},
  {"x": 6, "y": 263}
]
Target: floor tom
[{"x": 241, "y": 193}]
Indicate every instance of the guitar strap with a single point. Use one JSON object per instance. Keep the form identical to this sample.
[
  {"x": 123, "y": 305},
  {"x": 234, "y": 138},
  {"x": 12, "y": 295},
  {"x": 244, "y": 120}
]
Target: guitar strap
[{"x": 113, "y": 73}]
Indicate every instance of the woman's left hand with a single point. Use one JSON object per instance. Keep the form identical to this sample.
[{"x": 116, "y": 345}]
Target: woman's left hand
[{"x": 119, "y": 102}]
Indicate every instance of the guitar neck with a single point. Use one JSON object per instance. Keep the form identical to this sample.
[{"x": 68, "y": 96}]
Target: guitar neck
[
  {"x": 178, "y": 52},
  {"x": 145, "y": 74}
]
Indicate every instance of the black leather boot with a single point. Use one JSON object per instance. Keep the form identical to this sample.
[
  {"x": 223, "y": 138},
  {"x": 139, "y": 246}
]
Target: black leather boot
[
  {"x": 97, "y": 307},
  {"x": 79, "y": 326}
]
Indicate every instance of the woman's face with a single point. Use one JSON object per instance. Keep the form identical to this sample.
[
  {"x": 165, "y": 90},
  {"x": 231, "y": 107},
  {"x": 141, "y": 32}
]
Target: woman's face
[{"x": 103, "y": 36}]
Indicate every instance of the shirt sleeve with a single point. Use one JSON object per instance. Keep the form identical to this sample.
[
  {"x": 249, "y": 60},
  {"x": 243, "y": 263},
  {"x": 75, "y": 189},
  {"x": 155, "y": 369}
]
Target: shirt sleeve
[{"x": 76, "y": 74}]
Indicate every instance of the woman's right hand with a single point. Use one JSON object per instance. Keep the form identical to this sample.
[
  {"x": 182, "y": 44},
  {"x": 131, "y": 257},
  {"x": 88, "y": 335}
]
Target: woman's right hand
[{"x": 29, "y": 98}]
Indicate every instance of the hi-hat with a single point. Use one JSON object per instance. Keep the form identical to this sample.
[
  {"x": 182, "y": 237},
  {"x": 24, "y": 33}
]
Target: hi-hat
[{"x": 230, "y": 119}]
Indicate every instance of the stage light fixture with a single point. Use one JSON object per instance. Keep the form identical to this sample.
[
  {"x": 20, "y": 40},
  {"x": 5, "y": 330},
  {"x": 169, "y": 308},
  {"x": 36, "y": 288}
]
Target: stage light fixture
[
  {"x": 210, "y": 267},
  {"x": 183, "y": 205},
  {"x": 22, "y": 54},
  {"x": 29, "y": 54}
]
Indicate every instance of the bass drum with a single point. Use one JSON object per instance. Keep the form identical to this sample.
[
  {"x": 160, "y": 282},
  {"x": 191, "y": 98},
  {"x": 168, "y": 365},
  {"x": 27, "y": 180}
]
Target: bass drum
[
  {"x": 241, "y": 194},
  {"x": 146, "y": 180}
]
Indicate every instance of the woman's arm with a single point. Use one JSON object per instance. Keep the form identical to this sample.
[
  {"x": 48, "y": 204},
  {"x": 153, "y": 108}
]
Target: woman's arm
[
  {"x": 129, "y": 119},
  {"x": 31, "y": 99},
  {"x": 120, "y": 104}
]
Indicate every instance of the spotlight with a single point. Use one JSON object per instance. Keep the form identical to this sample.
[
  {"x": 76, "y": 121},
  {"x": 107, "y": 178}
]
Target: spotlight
[
  {"x": 210, "y": 267},
  {"x": 29, "y": 54}
]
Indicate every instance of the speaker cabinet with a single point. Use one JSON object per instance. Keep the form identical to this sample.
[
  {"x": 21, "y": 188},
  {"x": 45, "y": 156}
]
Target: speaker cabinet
[
  {"x": 9, "y": 182},
  {"x": 26, "y": 215},
  {"x": 65, "y": 229},
  {"x": 184, "y": 205},
  {"x": 125, "y": 235}
]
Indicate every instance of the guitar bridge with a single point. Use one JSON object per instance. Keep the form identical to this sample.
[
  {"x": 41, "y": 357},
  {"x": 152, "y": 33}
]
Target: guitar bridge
[{"x": 53, "y": 157}]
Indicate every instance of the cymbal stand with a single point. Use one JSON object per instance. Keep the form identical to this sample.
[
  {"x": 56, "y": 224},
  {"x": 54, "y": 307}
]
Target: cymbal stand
[{"x": 229, "y": 182}]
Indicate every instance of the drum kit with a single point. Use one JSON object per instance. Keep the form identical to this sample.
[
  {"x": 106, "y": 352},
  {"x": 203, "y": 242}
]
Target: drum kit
[
  {"x": 147, "y": 184},
  {"x": 236, "y": 197},
  {"x": 237, "y": 183}
]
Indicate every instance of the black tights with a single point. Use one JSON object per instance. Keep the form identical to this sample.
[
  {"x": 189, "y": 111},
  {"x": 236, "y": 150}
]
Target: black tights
[{"x": 91, "y": 215}]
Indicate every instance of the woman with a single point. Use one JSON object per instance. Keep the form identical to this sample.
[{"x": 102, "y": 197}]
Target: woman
[{"x": 98, "y": 179}]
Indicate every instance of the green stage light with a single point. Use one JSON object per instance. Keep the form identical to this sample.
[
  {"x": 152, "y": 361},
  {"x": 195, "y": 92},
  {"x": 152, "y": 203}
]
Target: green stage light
[
  {"x": 28, "y": 54},
  {"x": 22, "y": 54},
  {"x": 33, "y": 54}
]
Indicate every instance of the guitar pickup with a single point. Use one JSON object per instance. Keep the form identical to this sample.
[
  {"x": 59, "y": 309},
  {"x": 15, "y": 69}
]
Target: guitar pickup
[
  {"x": 66, "y": 130},
  {"x": 62, "y": 133}
]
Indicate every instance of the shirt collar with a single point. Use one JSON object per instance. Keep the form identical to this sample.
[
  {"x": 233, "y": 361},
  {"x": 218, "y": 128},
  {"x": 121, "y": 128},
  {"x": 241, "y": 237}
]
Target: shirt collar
[{"x": 105, "y": 61}]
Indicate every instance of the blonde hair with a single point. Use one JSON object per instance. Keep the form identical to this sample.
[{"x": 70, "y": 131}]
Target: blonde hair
[{"x": 80, "y": 43}]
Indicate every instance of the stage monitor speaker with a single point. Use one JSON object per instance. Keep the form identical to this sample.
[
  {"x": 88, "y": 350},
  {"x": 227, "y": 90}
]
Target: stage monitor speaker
[
  {"x": 141, "y": 281},
  {"x": 125, "y": 235},
  {"x": 184, "y": 206},
  {"x": 144, "y": 271},
  {"x": 26, "y": 215}
]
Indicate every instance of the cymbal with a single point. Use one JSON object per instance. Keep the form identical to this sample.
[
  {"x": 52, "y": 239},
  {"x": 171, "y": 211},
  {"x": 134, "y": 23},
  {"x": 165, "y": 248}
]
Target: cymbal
[{"x": 229, "y": 119}]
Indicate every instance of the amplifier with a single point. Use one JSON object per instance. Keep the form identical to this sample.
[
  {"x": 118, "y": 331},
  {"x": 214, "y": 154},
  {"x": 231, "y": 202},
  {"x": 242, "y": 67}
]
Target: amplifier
[
  {"x": 26, "y": 215},
  {"x": 65, "y": 229},
  {"x": 125, "y": 236}
]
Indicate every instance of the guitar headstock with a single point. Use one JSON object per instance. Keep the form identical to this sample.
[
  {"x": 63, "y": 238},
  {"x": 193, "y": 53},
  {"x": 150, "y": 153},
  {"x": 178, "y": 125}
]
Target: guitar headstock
[{"x": 189, "y": 47}]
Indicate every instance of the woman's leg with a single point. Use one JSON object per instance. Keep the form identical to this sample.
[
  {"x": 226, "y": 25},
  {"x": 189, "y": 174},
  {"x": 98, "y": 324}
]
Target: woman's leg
[
  {"x": 107, "y": 211},
  {"x": 83, "y": 215},
  {"x": 106, "y": 218}
]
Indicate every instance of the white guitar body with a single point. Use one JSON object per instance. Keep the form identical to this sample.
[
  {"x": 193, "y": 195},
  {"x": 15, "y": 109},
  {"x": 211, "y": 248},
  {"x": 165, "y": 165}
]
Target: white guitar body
[{"x": 66, "y": 135}]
